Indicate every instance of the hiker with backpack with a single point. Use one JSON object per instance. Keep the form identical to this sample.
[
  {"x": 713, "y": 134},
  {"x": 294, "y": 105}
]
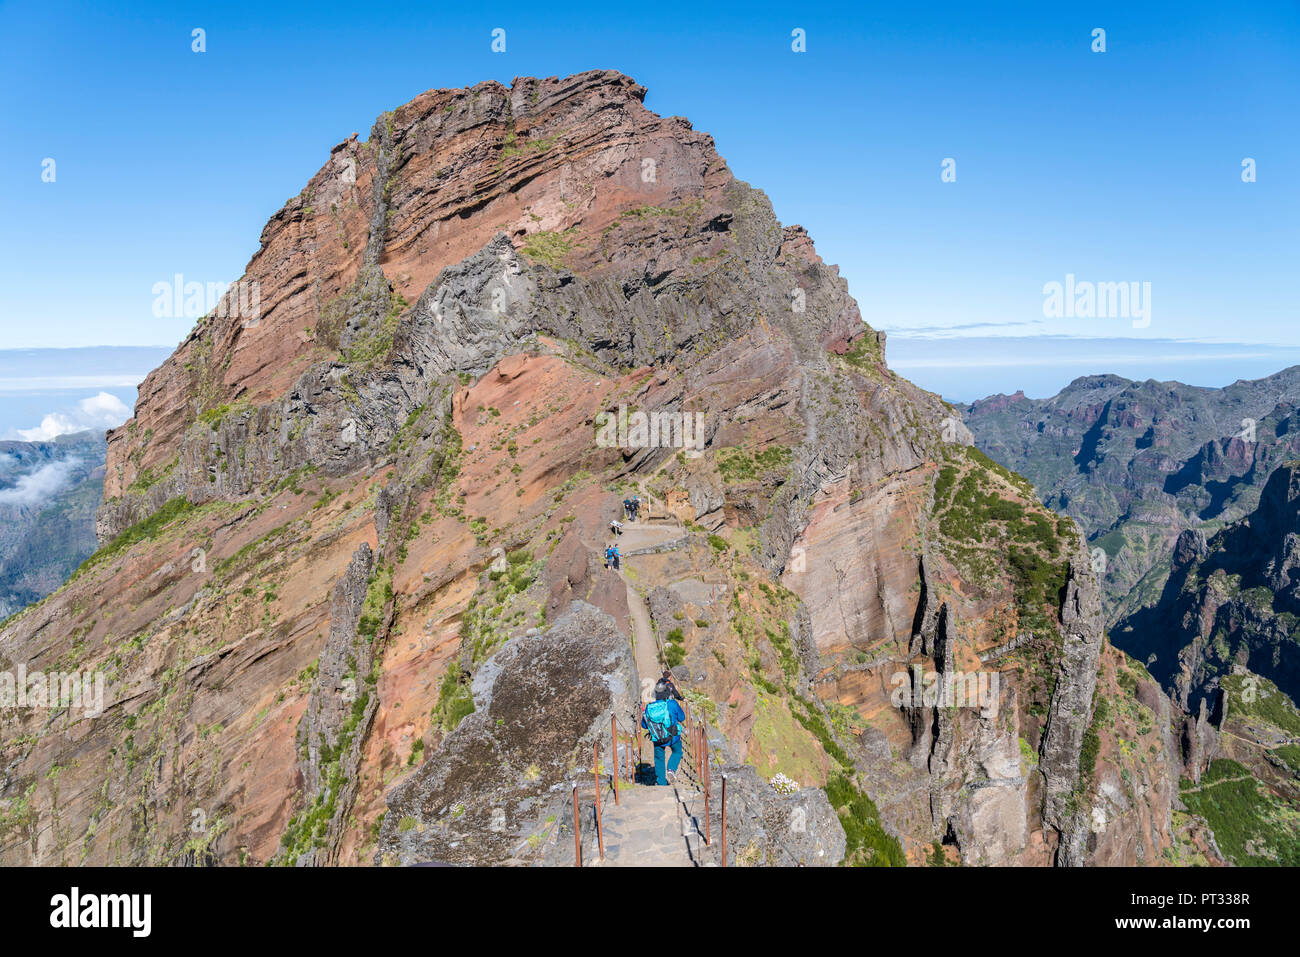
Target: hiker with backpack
[
  {"x": 614, "y": 556},
  {"x": 667, "y": 679},
  {"x": 662, "y": 720}
]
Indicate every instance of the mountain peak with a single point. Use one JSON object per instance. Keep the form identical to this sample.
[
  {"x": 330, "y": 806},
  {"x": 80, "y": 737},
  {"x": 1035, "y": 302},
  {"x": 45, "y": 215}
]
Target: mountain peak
[{"x": 574, "y": 170}]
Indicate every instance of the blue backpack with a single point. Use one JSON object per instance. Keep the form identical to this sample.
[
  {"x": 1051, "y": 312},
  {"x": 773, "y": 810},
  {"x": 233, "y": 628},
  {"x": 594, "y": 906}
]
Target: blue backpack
[{"x": 660, "y": 722}]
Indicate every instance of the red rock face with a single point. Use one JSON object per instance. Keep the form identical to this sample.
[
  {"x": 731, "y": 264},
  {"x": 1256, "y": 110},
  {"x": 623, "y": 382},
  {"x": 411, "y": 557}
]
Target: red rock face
[
  {"x": 541, "y": 156},
  {"x": 869, "y": 541},
  {"x": 1000, "y": 403},
  {"x": 311, "y": 250}
]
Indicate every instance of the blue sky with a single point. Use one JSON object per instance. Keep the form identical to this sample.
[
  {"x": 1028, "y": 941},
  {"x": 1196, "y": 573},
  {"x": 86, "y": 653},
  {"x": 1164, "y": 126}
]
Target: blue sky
[{"x": 1123, "y": 166}]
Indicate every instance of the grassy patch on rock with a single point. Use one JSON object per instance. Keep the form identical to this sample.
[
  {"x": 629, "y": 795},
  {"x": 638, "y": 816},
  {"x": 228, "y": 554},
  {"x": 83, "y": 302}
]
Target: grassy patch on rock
[{"x": 1252, "y": 826}]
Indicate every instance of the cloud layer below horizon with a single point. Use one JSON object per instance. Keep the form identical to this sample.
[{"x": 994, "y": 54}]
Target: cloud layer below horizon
[
  {"x": 963, "y": 368},
  {"x": 101, "y": 411}
]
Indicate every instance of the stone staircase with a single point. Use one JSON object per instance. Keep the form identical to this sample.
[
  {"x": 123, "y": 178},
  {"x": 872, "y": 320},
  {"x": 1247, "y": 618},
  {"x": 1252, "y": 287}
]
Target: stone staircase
[
  {"x": 654, "y": 827},
  {"x": 651, "y": 826},
  {"x": 641, "y": 539}
]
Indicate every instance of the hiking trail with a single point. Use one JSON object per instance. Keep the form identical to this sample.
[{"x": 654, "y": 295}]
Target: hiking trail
[{"x": 652, "y": 826}]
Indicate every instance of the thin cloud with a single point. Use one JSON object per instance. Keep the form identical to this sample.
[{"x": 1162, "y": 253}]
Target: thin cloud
[
  {"x": 39, "y": 486},
  {"x": 101, "y": 411},
  {"x": 36, "y": 383},
  {"x": 958, "y": 362},
  {"x": 964, "y": 329}
]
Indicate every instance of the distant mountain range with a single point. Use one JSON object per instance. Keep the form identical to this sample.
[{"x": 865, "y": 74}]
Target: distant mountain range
[
  {"x": 1137, "y": 463},
  {"x": 966, "y": 363},
  {"x": 48, "y": 495},
  {"x": 1231, "y": 600}
]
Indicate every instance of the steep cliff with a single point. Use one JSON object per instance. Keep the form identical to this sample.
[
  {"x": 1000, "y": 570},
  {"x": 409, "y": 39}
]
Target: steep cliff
[{"x": 349, "y": 544}]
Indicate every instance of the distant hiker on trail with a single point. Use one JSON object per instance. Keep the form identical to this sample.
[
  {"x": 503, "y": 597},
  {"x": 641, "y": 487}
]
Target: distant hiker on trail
[
  {"x": 615, "y": 556},
  {"x": 616, "y": 527},
  {"x": 636, "y": 506},
  {"x": 667, "y": 679},
  {"x": 627, "y": 508},
  {"x": 662, "y": 720}
]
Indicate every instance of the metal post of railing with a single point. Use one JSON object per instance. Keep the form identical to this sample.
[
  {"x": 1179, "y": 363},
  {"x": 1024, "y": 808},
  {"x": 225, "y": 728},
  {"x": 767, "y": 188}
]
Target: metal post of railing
[
  {"x": 684, "y": 738},
  {"x": 600, "y": 830},
  {"x": 613, "y": 764},
  {"x": 708, "y": 836},
  {"x": 695, "y": 750},
  {"x": 724, "y": 820},
  {"x": 577, "y": 830}
]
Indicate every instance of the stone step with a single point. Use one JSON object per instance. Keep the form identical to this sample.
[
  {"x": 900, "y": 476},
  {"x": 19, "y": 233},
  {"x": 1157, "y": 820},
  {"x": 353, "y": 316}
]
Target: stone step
[
  {"x": 653, "y": 827},
  {"x": 638, "y": 539}
]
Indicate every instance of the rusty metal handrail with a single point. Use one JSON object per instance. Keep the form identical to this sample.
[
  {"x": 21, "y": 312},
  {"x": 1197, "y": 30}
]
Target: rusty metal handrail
[
  {"x": 696, "y": 743},
  {"x": 624, "y": 760},
  {"x": 600, "y": 829},
  {"x": 708, "y": 828},
  {"x": 613, "y": 765}
]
